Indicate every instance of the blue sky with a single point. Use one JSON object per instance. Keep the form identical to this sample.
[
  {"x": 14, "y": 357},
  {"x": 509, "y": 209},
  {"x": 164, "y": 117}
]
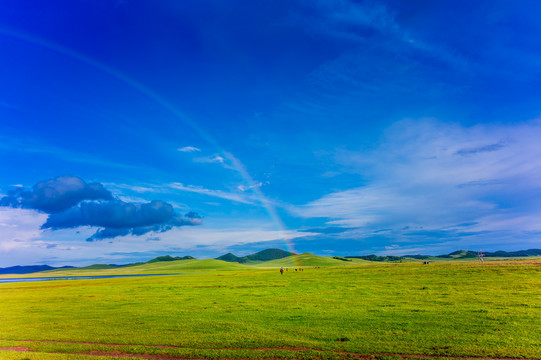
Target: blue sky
[{"x": 131, "y": 129}]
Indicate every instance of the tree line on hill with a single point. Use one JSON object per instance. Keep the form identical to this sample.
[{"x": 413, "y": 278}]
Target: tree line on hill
[{"x": 460, "y": 254}]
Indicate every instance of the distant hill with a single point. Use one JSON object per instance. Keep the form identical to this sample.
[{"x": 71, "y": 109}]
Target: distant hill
[
  {"x": 468, "y": 254},
  {"x": 307, "y": 259},
  {"x": 265, "y": 258},
  {"x": 29, "y": 269},
  {"x": 459, "y": 254},
  {"x": 419, "y": 257},
  {"x": 159, "y": 267},
  {"x": 377, "y": 258},
  {"x": 231, "y": 258},
  {"x": 265, "y": 255},
  {"x": 38, "y": 268},
  {"x": 520, "y": 253},
  {"x": 169, "y": 258}
]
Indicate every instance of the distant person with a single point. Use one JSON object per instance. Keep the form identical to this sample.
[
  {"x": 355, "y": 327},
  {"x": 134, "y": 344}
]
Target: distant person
[{"x": 281, "y": 271}]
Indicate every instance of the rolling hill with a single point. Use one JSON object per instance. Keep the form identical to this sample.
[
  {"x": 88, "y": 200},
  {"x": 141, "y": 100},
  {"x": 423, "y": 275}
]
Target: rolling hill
[
  {"x": 307, "y": 259},
  {"x": 157, "y": 267},
  {"x": 269, "y": 258},
  {"x": 29, "y": 269},
  {"x": 265, "y": 255}
]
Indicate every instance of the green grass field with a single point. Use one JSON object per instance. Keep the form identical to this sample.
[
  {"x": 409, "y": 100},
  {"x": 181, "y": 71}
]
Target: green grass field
[{"x": 232, "y": 311}]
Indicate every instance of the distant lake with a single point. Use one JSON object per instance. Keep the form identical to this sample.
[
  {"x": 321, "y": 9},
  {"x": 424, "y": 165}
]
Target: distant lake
[{"x": 13, "y": 280}]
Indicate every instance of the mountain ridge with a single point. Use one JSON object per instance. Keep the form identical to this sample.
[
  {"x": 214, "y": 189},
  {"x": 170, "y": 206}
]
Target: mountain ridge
[{"x": 27, "y": 269}]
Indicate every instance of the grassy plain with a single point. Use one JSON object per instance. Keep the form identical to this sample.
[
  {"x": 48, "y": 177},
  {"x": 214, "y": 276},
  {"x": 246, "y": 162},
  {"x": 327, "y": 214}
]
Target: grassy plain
[{"x": 225, "y": 310}]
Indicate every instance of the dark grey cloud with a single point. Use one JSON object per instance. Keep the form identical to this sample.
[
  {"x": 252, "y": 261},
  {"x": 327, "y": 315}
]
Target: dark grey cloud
[
  {"x": 327, "y": 230},
  {"x": 112, "y": 214},
  {"x": 482, "y": 183},
  {"x": 56, "y": 195},
  {"x": 119, "y": 218},
  {"x": 192, "y": 215},
  {"x": 108, "y": 233},
  {"x": 480, "y": 149},
  {"x": 71, "y": 202}
]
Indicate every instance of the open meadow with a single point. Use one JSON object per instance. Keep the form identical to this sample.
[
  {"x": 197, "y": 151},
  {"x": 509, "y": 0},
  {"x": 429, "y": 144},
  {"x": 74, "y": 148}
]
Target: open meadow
[{"x": 219, "y": 310}]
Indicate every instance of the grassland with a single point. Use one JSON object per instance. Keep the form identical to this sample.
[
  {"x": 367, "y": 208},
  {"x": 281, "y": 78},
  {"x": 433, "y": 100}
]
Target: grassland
[{"x": 228, "y": 310}]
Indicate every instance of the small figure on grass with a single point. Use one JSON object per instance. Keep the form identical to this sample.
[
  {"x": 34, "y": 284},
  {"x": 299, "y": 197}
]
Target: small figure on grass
[
  {"x": 480, "y": 255},
  {"x": 281, "y": 271}
]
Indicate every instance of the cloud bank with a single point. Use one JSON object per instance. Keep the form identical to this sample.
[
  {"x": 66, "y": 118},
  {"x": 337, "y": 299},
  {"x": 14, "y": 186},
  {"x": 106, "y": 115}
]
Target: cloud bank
[
  {"x": 71, "y": 202},
  {"x": 428, "y": 182}
]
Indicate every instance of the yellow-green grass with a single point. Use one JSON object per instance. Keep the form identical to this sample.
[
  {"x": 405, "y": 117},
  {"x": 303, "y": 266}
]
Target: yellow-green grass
[
  {"x": 455, "y": 309},
  {"x": 193, "y": 265}
]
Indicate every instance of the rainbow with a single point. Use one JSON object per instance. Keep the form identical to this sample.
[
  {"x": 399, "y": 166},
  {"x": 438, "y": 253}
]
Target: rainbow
[{"x": 236, "y": 163}]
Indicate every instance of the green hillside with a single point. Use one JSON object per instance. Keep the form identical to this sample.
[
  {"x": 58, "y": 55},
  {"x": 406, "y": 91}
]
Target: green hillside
[
  {"x": 307, "y": 259},
  {"x": 89, "y": 267},
  {"x": 169, "y": 258},
  {"x": 468, "y": 255},
  {"x": 196, "y": 265},
  {"x": 270, "y": 258},
  {"x": 264, "y": 255},
  {"x": 460, "y": 254},
  {"x": 269, "y": 254},
  {"x": 230, "y": 258},
  {"x": 159, "y": 267}
]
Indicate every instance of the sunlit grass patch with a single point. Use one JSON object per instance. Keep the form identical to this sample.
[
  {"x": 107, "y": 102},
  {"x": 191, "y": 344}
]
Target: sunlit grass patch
[{"x": 445, "y": 309}]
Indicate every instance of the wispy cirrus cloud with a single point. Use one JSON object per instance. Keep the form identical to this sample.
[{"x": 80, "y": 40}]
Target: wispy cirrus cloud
[
  {"x": 216, "y": 159},
  {"x": 239, "y": 197},
  {"x": 244, "y": 188},
  {"x": 32, "y": 146},
  {"x": 480, "y": 149},
  {"x": 430, "y": 179},
  {"x": 344, "y": 18},
  {"x": 189, "y": 149}
]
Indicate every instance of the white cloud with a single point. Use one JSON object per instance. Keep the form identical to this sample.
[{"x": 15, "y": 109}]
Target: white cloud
[
  {"x": 173, "y": 187},
  {"x": 253, "y": 186},
  {"x": 65, "y": 247},
  {"x": 18, "y": 228},
  {"x": 343, "y": 18},
  {"x": 427, "y": 175},
  {"x": 232, "y": 196},
  {"x": 210, "y": 159},
  {"x": 224, "y": 237},
  {"x": 189, "y": 149}
]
